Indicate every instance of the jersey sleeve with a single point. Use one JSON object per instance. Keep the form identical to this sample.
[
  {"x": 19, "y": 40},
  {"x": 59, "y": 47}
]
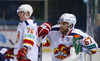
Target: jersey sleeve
[
  {"x": 47, "y": 42},
  {"x": 29, "y": 34},
  {"x": 51, "y": 34},
  {"x": 89, "y": 43}
]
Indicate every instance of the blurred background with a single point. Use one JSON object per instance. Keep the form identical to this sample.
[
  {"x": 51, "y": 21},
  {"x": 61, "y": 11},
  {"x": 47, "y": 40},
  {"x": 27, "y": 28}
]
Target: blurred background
[
  {"x": 44, "y": 11},
  {"x": 87, "y": 13}
]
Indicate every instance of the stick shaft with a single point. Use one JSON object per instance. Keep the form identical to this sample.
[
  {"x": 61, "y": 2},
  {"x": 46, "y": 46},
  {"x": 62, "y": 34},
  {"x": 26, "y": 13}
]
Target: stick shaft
[{"x": 40, "y": 50}]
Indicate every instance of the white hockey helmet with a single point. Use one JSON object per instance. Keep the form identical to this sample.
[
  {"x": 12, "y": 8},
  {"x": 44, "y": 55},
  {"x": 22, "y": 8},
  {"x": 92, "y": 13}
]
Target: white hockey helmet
[
  {"x": 70, "y": 18},
  {"x": 26, "y": 8}
]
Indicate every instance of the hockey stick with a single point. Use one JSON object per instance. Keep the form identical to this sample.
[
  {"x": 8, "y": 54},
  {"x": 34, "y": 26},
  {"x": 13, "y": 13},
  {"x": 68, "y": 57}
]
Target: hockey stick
[
  {"x": 40, "y": 50},
  {"x": 11, "y": 42},
  {"x": 9, "y": 55}
]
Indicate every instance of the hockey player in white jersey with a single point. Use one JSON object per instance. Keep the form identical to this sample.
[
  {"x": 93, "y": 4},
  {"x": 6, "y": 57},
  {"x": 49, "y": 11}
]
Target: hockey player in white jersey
[
  {"x": 61, "y": 38},
  {"x": 26, "y": 48}
]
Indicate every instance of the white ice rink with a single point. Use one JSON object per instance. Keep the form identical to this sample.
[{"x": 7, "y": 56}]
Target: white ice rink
[{"x": 46, "y": 56}]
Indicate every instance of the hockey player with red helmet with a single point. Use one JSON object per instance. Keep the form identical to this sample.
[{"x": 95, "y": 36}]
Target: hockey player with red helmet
[{"x": 61, "y": 38}]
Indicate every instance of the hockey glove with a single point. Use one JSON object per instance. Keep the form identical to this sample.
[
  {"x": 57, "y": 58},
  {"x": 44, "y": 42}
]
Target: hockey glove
[
  {"x": 44, "y": 29},
  {"x": 9, "y": 53},
  {"x": 22, "y": 54}
]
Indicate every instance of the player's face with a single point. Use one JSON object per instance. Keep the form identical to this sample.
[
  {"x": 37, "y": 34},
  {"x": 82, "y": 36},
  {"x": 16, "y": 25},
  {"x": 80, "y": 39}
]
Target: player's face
[
  {"x": 21, "y": 15},
  {"x": 63, "y": 27}
]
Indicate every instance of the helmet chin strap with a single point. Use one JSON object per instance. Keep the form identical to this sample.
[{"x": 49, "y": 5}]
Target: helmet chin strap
[
  {"x": 69, "y": 29},
  {"x": 26, "y": 17}
]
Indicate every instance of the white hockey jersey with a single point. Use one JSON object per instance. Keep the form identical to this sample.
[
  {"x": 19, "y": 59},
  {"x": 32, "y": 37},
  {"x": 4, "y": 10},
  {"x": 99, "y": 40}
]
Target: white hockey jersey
[
  {"x": 60, "y": 44},
  {"x": 27, "y": 36}
]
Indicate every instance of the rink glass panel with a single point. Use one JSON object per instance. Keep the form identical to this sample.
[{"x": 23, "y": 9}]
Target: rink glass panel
[{"x": 93, "y": 13}]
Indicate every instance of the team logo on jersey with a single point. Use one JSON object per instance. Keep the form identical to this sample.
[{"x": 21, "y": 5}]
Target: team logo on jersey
[
  {"x": 61, "y": 52},
  {"x": 67, "y": 38},
  {"x": 30, "y": 36}
]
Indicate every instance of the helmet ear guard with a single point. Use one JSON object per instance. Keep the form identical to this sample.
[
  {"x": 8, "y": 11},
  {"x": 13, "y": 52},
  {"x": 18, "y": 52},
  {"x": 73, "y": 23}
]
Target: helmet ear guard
[{"x": 71, "y": 26}]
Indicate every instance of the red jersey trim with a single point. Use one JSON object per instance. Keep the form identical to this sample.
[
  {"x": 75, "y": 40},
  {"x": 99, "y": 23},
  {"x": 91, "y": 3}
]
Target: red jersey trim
[{"x": 28, "y": 41}]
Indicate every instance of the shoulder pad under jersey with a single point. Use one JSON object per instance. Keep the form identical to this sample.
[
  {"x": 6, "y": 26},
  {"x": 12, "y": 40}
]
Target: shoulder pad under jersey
[
  {"x": 55, "y": 27},
  {"x": 77, "y": 32},
  {"x": 27, "y": 22}
]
